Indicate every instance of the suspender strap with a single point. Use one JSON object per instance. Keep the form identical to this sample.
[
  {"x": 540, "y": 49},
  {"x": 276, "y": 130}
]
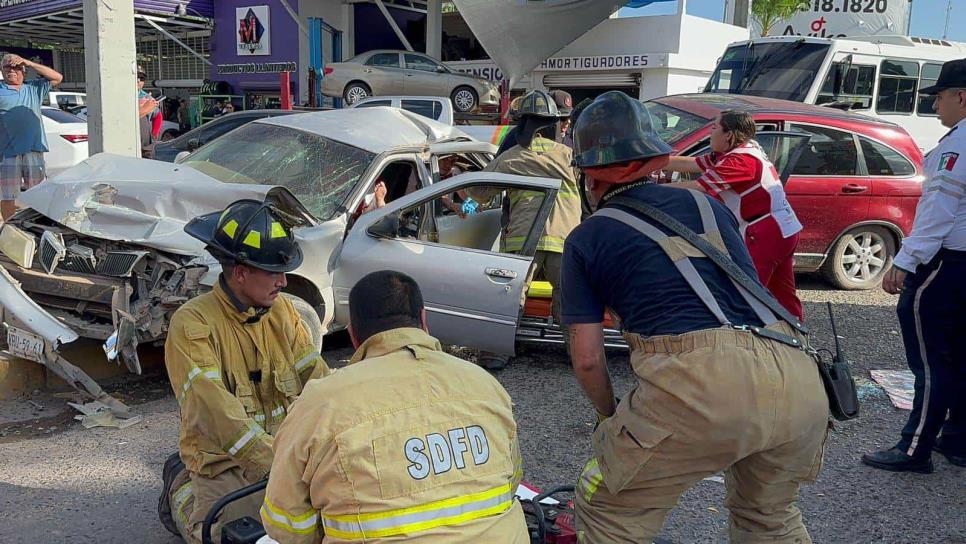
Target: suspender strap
[
  {"x": 679, "y": 258},
  {"x": 713, "y": 235},
  {"x": 723, "y": 261}
]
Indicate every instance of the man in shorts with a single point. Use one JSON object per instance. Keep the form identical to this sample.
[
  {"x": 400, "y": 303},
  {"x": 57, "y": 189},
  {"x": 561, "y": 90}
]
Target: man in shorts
[{"x": 22, "y": 139}]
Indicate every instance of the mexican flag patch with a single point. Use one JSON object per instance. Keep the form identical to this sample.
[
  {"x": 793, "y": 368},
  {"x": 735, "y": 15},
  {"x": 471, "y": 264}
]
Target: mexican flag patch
[{"x": 948, "y": 161}]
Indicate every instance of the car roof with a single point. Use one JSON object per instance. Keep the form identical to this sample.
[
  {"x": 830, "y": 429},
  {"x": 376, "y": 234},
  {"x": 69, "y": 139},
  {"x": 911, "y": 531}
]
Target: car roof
[
  {"x": 708, "y": 105},
  {"x": 375, "y": 51},
  {"x": 372, "y": 129}
]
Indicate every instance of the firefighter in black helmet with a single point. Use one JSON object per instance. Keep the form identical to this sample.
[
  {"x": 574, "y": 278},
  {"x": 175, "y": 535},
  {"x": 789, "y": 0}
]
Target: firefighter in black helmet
[
  {"x": 538, "y": 152},
  {"x": 237, "y": 358},
  {"x": 702, "y": 373}
]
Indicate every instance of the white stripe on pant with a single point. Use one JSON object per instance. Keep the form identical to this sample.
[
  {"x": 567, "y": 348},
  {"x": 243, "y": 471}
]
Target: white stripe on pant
[{"x": 925, "y": 360}]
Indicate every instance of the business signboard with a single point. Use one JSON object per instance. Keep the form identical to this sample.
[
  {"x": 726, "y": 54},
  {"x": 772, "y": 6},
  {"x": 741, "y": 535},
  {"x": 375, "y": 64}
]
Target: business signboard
[
  {"x": 841, "y": 18},
  {"x": 254, "y": 31}
]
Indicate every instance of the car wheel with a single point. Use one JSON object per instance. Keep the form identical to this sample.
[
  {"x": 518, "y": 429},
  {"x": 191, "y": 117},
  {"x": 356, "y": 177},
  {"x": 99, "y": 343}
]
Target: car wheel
[
  {"x": 464, "y": 99},
  {"x": 860, "y": 258},
  {"x": 310, "y": 318},
  {"x": 356, "y": 91},
  {"x": 169, "y": 135}
]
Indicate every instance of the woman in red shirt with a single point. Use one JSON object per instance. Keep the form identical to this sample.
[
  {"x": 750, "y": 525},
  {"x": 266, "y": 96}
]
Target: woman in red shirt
[{"x": 738, "y": 173}]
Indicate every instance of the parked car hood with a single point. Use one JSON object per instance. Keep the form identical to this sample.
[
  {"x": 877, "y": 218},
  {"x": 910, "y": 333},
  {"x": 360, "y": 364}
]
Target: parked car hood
[{"x": 135, "y": 200}]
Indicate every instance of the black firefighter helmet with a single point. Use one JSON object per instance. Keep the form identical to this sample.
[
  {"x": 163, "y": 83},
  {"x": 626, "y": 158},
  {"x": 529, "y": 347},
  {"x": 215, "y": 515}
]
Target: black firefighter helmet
[
  {"x": 615, "y": 128},
  {"x": 250, "y": 232}
]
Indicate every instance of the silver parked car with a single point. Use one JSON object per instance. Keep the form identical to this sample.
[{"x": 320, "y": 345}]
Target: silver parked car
[
  {"x": 389, "y": 72},
  {"x": 100, "y": 252}
]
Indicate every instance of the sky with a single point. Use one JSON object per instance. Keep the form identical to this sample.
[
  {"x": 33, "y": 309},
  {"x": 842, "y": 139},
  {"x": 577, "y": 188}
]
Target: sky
[{"x": 928, "y": 16}]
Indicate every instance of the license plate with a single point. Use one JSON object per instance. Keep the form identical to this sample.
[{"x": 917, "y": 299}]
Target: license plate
[{"x": 25, "y": 344}]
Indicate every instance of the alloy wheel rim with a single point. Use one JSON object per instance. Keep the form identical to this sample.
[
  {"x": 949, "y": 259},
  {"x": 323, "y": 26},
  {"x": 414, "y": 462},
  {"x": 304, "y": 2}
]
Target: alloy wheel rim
[
  {"x": 864, "y": 257},
  {"x": 355, "y": 94},
  {"x": 464, "y": 100}
]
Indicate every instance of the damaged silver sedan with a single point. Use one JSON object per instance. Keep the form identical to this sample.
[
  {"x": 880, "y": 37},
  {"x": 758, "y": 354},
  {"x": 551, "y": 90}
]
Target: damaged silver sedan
[{"x": 99, "y": 252}]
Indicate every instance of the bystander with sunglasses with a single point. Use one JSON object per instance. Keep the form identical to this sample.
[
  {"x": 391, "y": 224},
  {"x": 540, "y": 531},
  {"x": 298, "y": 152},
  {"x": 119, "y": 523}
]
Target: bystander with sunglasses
[{"x": 22, "y": 139}]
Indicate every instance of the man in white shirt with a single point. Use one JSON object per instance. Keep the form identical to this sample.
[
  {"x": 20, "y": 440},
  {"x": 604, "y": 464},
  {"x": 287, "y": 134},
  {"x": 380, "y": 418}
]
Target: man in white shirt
[{"x": 928, "y": 274}]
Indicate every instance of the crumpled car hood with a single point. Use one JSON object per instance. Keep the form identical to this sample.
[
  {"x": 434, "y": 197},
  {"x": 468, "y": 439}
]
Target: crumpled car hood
[{"x": 135, "y": 200}]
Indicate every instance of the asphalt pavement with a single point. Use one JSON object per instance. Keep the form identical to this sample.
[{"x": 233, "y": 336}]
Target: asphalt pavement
[{"x": 60, "y": 483}]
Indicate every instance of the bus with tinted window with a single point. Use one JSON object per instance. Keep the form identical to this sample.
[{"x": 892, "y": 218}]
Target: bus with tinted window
[{"x": 878, "y": 76}]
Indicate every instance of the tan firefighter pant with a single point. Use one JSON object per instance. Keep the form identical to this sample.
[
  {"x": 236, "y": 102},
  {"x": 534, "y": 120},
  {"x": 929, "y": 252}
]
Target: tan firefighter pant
[
  {"x": 706, "y": 402},
  {"x": 193, "y": 495}
]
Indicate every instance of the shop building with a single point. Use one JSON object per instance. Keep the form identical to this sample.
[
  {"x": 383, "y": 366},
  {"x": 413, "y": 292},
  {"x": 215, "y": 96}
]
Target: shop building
[
  {"x": 646, "y": 56},
  {"x": 173, "y": 39}
]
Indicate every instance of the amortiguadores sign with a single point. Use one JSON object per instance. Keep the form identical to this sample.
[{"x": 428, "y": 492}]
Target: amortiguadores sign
[{"x": 841, "y": 18}]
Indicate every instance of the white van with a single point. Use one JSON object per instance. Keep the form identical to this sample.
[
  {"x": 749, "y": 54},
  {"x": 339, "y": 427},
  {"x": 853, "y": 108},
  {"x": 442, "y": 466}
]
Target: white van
[{"x": 879, "y": 76}]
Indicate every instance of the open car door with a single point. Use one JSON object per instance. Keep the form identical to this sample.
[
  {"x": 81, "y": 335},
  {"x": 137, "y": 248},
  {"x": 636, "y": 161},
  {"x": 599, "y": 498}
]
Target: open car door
[
  {"x": 473, "y": 292},
  {"x": 783, "y": 149}
]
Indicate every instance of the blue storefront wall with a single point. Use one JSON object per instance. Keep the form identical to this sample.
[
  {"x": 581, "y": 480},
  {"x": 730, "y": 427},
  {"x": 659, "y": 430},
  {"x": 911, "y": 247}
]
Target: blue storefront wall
[
  {"x": 16, "y": 12},
  {"x": 284, "y": 45}
]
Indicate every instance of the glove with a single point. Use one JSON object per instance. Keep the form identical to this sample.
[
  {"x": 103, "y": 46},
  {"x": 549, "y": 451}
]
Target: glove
[{"x": 470, "y": 206}]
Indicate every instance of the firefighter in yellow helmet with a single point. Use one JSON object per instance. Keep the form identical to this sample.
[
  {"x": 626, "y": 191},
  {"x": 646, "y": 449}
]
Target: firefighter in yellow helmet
[
  {"x": 538, "y": 152},
  {"x": 237, "y": 358},
  {"x": 406, "y": 444}
]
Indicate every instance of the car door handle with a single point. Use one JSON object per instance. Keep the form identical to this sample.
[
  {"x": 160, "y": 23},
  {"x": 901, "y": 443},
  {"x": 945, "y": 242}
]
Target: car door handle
[
  {"x": 501, "y": 273},
  {"x": 854, "y": 188}
]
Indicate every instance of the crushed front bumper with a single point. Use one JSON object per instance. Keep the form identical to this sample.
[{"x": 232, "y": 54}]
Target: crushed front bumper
[{"x": 45, "y": 335}]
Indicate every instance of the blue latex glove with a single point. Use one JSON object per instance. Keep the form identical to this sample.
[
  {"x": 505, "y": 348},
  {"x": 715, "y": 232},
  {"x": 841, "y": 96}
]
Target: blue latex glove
[{"x": 470, "y": 206}]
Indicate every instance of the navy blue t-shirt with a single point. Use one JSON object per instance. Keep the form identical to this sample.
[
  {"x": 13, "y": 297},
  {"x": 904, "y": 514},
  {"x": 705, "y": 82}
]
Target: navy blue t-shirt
[{"x": 607, "y": 264}]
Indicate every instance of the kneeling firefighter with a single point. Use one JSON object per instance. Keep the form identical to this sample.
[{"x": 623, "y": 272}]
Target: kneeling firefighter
[
  {"x": 538, "y": 152},
  {"x": 237, "y": 358},
  {"x": 723, "y": 384}
]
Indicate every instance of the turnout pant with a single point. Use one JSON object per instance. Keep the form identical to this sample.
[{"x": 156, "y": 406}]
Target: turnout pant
[
  {"x": 192, "y": 496},
  {"x": 706, "y": 402},
  {"x": 932, "y": 315}
]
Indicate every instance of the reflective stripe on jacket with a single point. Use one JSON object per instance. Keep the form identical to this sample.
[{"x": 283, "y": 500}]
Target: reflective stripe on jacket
[
  {"x": 406, "y": 443},
  {"x": 235, "y": 381},
  {"x": 544, "y": 158}
]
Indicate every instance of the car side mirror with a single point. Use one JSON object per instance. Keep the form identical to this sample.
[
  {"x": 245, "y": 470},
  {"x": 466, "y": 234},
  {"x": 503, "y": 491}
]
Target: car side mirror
[
  {"x": 386, "y": 228},
  {"x": 440, "y": 70},
  {"x": 194, "y": 144},
  {"x": 181, "y": 156}
]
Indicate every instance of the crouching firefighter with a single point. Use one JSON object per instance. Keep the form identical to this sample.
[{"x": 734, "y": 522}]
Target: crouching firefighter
[
  {"x": 237, "y": 358},
  {"x": 722, "y": 383},
  {"x": 538, "y": 152},
  {"x": 406, "y": 444}
]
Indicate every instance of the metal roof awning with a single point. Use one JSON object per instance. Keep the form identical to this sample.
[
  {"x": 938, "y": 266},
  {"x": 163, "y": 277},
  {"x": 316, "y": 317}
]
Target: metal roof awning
[{"x": 66, "y": 28}]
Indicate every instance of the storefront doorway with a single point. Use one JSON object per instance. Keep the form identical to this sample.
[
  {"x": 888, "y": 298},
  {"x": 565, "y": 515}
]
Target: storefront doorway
[{"x": 581, "y": 93}]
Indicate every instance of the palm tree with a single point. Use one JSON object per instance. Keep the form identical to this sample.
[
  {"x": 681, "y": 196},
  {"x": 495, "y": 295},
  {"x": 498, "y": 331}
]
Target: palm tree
[{"x": 768, "y": 13}]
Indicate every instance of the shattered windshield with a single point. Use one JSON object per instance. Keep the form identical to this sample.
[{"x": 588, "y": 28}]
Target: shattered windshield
[
  {"x": 784, "y": 70},
  {"x": 317, "y": 170}
]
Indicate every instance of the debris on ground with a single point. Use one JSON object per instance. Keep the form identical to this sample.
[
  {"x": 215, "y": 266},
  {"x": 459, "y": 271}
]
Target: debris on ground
[
  {"x": 98, "y": 414},
  {"x": 35, "y": 404},
  {"x": 866, "y": 389},
  {"x": 898, "y": 384},
  {"x": 718, "y": 479}
]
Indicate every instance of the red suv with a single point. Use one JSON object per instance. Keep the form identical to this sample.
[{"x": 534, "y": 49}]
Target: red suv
[{"x": 854, "y": 187}]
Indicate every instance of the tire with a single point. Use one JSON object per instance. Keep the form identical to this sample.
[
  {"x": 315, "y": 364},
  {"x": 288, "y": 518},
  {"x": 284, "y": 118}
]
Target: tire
[
  {"x": 860, "y": 257},
  {"x": 356, "y": 91},
  {"x": 310, "y": 318},
  {"x": 465, "y": 99}
]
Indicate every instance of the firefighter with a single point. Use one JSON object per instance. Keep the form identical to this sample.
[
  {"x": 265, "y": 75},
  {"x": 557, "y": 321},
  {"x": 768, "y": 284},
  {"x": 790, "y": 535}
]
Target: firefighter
[
  {"x": 237, "y": 358},
  {"x": 712, "y": 395},
  {"x": 537, "y": 153},
  {"x": 405, "y": 444}
]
